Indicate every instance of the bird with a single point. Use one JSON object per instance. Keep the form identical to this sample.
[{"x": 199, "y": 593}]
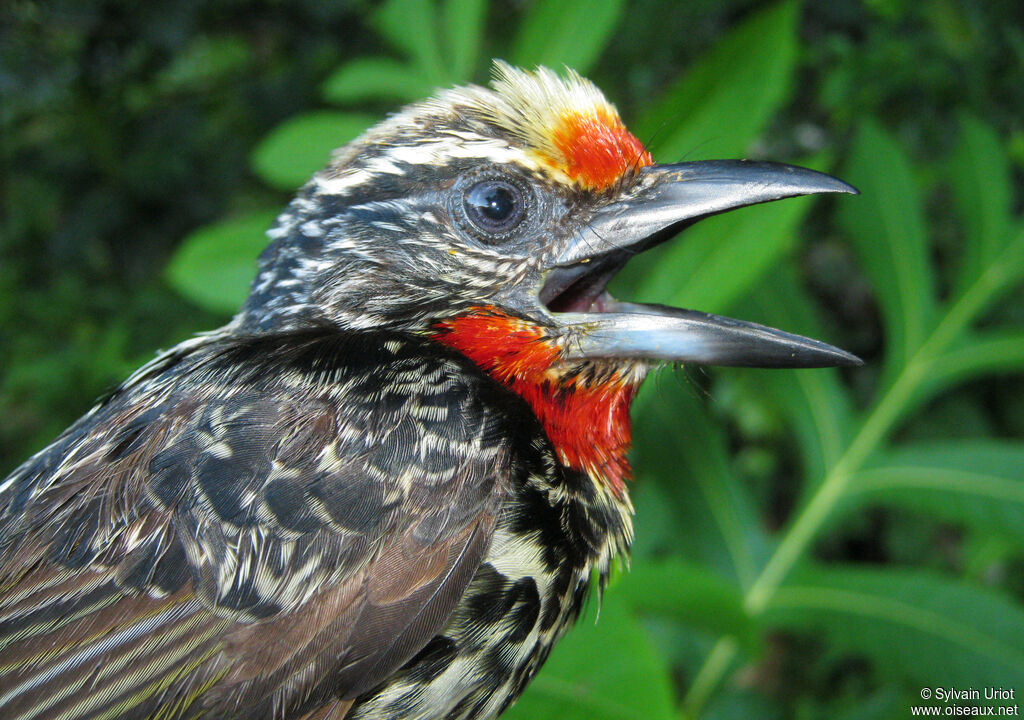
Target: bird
[{"x": 386, "y": 487}]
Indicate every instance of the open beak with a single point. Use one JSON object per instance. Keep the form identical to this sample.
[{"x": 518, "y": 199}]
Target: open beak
[{"x": 663, "y": 200}]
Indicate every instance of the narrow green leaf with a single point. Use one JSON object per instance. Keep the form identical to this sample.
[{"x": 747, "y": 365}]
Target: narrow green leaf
[
  {"x": 569, "y": 33},
  {"x": 886, "y": 224},
  {"x": 375, "y": 78},
  {"x": 682, "y": 450},
  {"x": 815, "y": 403},
  {"x": 984, "y": 353},
  {"x": 980, "y": 177},
  {"x": 464, "y": 28},
  {"x": 603, "y": 671},
  {"x": 302, "y": 145},
  {"x": 214, "y": 266},
  {"x": 997, "y": 278},
  {"x": 979, "y": 483},
  {"x": 725, "y": 99},
  {"x": 688, "y": 593},
  {"x": 411, "y": 26},
  {"x": 913, "y": 625}
]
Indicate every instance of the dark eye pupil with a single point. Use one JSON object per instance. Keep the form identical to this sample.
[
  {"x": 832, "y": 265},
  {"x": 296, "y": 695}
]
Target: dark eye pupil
[
  {"x": 494, "y": 201},
  {"x": 494, "y": 206}
]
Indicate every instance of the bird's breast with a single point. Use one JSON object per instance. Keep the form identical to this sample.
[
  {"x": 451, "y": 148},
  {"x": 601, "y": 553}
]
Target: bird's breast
[{"x": 555, "y": 529}]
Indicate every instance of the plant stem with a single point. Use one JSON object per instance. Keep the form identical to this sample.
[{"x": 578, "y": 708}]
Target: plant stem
[{"x": 711, "y": 673}]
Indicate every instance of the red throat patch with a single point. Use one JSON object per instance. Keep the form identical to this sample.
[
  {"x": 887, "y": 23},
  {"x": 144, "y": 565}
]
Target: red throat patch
[
  {"x": 598, "y": 149},
  {"x": 588, "y": 423}
]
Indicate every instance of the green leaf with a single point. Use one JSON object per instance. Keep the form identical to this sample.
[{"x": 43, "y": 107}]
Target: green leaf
[
  {"x": 565, "y": 32},
  {"x": 815, "y": 403},
  {"x": 411, "y": 26},
  {"x": 886, "y": 224},
  {"x": 725, "y": 99},
  {"x": 688, "y": 593},
  {"x": 214, "y": 266},
  {"x": 980, "y": 177},
  {"x": 953, "y": 352},
  {"x": 203, "y": 61},
  {"x": 607, "y": 671},
  {"x": 299, "y": 147},
  {"x": 979, "y": 483},
  {"x": 375, "y": 78},
  {"x": 983, "y": 353},
  {"x": 885, "y": 703},
  {"x": 682, "y": 450},
  {"x": 913, "y": 625},
  {"x": 889, "y": 234},
  {"x": 655, "y": 516},
  {"x": 742, "y": 703},
  {"x": 464, "y": 28}
]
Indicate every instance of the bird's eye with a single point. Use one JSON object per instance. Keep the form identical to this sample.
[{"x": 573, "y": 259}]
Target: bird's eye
[{"x": 494, "y": 206}]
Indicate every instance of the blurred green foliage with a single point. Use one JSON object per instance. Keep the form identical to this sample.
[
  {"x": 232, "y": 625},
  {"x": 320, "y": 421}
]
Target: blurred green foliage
[{"x": 810, "y": 544}]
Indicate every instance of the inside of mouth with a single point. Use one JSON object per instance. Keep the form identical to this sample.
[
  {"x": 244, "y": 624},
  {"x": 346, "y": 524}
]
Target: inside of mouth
[{"x": 579, "y": 288}]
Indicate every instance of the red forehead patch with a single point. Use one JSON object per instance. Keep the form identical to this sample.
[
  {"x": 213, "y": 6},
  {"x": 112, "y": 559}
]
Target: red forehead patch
[{"x": 598, "y": 149}]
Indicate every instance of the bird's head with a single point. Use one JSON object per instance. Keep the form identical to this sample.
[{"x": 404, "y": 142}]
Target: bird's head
[
  {"x": 493, "y": 218},
  {"x": 520, "y": 201}
]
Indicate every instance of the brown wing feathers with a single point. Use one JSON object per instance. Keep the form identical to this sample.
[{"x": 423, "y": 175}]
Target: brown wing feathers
[{"x": 197, "y": 548}]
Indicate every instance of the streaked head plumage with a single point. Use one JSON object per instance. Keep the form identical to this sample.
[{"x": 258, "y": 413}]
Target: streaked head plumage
[
  {"x": 560, "y": 126},
  {"x": 380, "y": 237},
  {"x": 565, "y": 122},
  {"x": 524, "y": 199}
]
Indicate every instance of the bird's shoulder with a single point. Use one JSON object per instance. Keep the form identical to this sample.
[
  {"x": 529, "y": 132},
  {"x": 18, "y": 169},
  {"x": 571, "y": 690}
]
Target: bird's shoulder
[
  {"x": 275, "y": 486},
  {"x": 293, "y": 431}
]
